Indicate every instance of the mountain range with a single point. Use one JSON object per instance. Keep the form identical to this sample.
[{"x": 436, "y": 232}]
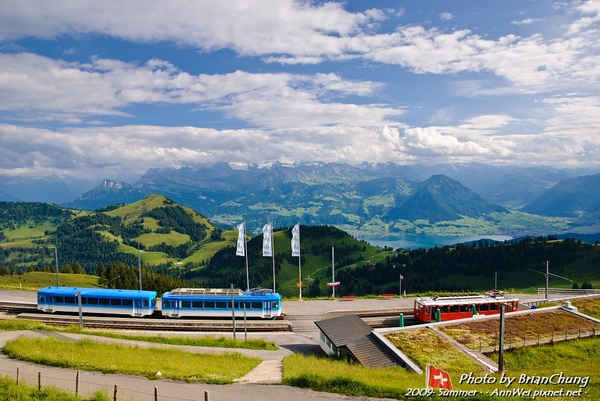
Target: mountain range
[{"x": 368, "y": 199}]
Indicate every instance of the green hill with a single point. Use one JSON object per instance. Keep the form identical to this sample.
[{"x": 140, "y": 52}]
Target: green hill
[
  {"x": 316, "y": 243},
  {"x": 166, "y": 233},
  {"x": 185, "y": 244}
]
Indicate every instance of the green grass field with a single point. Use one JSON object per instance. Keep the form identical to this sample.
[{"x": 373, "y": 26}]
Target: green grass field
[
  {"x": 33, "y": 281},
  {"x": 131, "y": 359},
  {"x": 575, "y": 359},
  {"x": 10, "y": 391}
]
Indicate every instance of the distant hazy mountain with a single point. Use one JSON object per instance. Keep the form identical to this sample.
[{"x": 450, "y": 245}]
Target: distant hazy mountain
[
  {"x": 368, "y": 198},
  {"x": 521, "y": 186},
  {"x": 7, "y": 198},
  {"x": 475, "y": 176},
  {"x": 107, "y": 193},
  {"x": 441, "y": 198},
  {"x": 569, "y": 197},
  {"x": 45, "y": 189}
]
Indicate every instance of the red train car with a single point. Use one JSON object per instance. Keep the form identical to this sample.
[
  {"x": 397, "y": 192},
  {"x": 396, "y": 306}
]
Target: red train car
[{"x": 441, "y": 309}]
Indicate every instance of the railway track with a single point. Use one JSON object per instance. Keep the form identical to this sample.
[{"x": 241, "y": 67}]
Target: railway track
[{"x": 299, "y": 323}]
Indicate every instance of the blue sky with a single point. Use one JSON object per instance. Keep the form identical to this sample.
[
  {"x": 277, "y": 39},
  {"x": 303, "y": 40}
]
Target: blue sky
[{"x": 103, "y": 89}]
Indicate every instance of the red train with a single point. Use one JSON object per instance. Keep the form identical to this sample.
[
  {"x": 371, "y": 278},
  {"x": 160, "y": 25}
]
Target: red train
[{"x": 441, "y": 309}]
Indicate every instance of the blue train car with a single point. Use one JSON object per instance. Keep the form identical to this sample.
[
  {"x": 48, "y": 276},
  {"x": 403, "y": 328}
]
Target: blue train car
[
  {"x": 97, "y": 300},
  {"x": 217, "y": 302}
]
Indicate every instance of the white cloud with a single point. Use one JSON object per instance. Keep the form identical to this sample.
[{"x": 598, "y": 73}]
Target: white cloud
[
  {"x": 526, "y": 21},
  {"x": 41, "y": 88},
  {"x": 446, "y": 16},
  {"x": 110, "y": 151},
  {"x": 294, "y": 32}
]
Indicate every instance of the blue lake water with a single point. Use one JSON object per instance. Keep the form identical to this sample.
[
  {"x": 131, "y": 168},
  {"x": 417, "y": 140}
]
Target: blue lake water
[{"x": 427, "y": 241}]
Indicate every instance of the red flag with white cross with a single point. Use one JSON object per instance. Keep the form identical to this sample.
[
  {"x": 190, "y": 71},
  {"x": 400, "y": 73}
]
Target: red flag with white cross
[{"x": 437, "y": 378}]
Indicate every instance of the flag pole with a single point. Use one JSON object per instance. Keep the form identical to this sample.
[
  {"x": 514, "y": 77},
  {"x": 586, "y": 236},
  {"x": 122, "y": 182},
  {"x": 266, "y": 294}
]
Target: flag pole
[
  {"x": 299, "y": 275},
  {"x": 273, "y": 253},
  {"x": 296, "y": 252},
  {"x": 333, "y": 273},
  {"x": 246, "y": 254}
]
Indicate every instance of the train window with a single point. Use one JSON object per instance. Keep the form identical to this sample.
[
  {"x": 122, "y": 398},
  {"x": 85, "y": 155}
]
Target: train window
[
  {"x": 186, "y": 304},
  {"x": 40, "y": 298},
  {"x": 57, "y": 300},
  {"x": 256, "y": 305},
  {"x": 197, "y": 304},
  {"x": 494, "y": 307},
  {"x": 464, "y": 308},
  {"x": 166, "y": 303},
  {"x": 92, "y": 301},
  {"x": 483, "y": 307},
  {"x": 245, "y": 304},
  {"x": 127, "y": 302},
  {"x": 453, "y": 308},
  {"x": 115, "y": 302},
  {"x": 83, "y": 301},
  {"x": 69, "y": 300},
  {"x": 275, "y": 305},
  {"x": 222, "y": 305},
  {"x": 209, "y": 304},
  {"x": 103, "y": 301}
]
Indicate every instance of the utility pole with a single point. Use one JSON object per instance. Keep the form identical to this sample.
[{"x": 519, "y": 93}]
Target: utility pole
[
  {"x": 140, "y": 267},
  {"x": 56, "y": 264},
  {"x": 332, "y": 273},
  {"x": 501, "y": 341},
  {"x": 547, "y": 275}
]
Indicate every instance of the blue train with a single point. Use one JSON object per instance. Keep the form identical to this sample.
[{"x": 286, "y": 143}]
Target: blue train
[
  {"x": 97, "y": 300},
  {"x": 180, "y": 302},
  {"x": 214, "y": 303}
]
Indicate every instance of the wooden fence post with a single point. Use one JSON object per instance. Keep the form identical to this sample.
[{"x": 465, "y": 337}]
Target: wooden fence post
[
  {"x": 17, "y": 376},
  {"x": 116, "y": 393},
  {"x": 206, "y": 396},
  {"x": 39, "y": 381},
  {"x": 155, "y": 393}
]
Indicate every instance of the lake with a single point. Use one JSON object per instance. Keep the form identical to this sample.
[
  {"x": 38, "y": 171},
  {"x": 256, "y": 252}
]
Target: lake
[{"x": 427, "y": 241}]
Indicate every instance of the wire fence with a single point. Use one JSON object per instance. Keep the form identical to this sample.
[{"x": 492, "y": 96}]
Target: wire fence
[
  {"x": 76, "y": 382},
  {"x": 512, "y": 341}
]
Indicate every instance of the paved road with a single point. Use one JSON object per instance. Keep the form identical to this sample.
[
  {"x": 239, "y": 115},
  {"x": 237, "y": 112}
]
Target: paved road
[{"x": 257, "y": 385}]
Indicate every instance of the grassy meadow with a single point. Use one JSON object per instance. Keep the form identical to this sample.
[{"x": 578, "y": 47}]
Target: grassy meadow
[
  {"x": 131, "y": 359},
  {"x": 33, "y": 281},
  {"x": 12, "y": 392},
  {"x": 577, "y": 358},
  {"x": 202, "y": 341}
]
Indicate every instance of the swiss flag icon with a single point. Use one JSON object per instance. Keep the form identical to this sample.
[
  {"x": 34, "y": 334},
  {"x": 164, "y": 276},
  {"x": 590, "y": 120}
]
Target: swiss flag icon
[{"x": 437, "y": 378}]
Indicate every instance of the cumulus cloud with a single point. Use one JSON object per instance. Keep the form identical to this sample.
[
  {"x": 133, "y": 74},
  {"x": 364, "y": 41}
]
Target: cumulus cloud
[
  {"x": 112, "y": 150},
  {"x": 288, "y": 113},
  {"x": 293, "y": 32},
  {"x": 41, "y": 85}
]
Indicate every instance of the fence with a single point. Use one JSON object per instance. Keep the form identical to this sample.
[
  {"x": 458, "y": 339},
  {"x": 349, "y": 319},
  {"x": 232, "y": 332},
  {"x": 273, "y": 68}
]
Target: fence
[
  {"x": 513, "y": 341},
  {"x": 77, "y": 381},
  {"x": 569, "y": 291}
]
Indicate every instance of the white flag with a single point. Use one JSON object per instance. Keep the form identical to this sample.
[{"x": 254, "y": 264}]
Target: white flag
[
  {"x": 241, "y": 249},
  {"x": 267, "y": 250},
  {"x": 296, "y": 240}
]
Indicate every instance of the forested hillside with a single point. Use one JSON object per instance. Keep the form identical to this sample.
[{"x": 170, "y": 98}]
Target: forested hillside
[
  {"x": 168, "y": 238},
  {"x": 465, "y": 268}
]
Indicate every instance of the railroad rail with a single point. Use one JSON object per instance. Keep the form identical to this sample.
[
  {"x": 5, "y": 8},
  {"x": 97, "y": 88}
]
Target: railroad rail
[{"x": 383, "y": 318}]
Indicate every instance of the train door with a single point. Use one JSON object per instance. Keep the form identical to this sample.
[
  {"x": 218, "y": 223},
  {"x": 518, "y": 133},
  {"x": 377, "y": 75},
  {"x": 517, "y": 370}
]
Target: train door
[
  {"x": 174, "y": 308},
  {"x": 267, "y": 311},
  {"x": 137, "y": 307},
  {"x": 45, "y": 303}
]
